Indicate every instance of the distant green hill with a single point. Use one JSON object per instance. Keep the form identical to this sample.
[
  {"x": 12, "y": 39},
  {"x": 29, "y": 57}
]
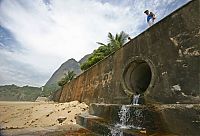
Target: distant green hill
[{"x": 16, "y": 93}]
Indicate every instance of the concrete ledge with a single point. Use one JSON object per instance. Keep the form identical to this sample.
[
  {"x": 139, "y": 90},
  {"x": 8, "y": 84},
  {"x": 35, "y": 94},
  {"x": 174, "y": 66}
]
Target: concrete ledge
[
  {"x": 103, "y": 128},
  {"x": 140, "y": 115},
  {"x": 181, "y": 119},
  {"x": 93, "y": 123}
]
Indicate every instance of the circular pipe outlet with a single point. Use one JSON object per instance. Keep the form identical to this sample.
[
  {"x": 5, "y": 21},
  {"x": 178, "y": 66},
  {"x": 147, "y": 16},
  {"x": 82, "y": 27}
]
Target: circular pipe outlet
[{"x": 137, "y": 77}]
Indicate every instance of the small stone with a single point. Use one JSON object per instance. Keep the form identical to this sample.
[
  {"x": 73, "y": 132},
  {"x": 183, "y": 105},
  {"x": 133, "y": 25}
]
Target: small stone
[
  {"x": 83, "y": 109},
  {"x": 61, "y": 119},
  {"x": 143, "y": 131}
]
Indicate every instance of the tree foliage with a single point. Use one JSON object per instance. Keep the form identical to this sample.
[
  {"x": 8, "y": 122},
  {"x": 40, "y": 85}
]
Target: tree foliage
[
  {"x": 114, "y": 43},
  {"x": 68, "y": 77}
]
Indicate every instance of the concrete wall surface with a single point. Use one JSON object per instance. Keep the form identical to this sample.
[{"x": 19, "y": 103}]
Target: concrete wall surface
[{"x": 162, "y": 64}]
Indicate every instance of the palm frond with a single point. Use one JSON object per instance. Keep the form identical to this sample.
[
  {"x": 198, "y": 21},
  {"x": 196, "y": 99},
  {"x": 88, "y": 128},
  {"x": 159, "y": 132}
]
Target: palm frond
[
  {"x": 111, "y": 38},
  {"x": 101, "y": 43}
]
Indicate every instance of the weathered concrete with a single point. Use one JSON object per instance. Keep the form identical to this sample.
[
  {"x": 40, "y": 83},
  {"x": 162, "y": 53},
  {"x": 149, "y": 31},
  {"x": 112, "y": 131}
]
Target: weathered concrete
[
  {"x": 181, "y": 119},
  {"x": 140, "y": 116},
  {"x": 162, "y": 63},
  {"x": 101, "y": 127},
  {"x": 176, "y": 119}
]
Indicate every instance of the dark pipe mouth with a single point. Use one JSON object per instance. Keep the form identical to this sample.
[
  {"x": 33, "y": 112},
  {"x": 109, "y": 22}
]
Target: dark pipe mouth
[{"x": 137, "y": 77}]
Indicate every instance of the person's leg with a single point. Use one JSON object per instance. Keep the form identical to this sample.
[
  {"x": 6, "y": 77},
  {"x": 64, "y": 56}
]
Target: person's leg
[{"x": 149, "y": 23}]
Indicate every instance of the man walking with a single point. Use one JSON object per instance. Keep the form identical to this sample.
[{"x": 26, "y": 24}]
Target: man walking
[{"x": 150, "y": 17}]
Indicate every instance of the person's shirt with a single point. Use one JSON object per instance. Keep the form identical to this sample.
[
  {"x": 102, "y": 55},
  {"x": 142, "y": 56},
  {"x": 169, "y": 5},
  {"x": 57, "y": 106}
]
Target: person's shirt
[{"x": 150, "y": 16}]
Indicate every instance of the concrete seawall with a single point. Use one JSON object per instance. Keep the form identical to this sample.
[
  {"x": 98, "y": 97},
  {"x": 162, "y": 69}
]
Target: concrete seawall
[{"x": 162, "y": 64}]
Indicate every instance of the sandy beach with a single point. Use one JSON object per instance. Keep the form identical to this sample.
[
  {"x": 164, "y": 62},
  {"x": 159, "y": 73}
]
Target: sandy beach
[{"x": 40, "y": 118}]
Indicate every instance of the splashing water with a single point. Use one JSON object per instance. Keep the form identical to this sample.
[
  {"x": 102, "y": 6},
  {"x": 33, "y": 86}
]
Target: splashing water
[
  {"x": 136, "y": 99},
  {"x": 116, "y": 132},
  {"x": 139, "y": 118},
  {"x": 124, "y": 115}
]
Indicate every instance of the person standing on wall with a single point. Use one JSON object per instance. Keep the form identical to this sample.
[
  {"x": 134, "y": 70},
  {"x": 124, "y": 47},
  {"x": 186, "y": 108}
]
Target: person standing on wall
[{"x": 150, "y": 17}]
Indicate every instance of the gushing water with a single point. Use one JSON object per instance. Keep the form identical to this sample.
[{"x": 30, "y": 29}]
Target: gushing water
[
  {"x": 136, "y": 99},
  {"x": 124, "y": 115}
]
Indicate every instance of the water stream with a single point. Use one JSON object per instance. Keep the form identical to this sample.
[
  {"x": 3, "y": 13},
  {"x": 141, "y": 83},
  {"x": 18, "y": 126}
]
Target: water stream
[
  {"x": 136, "y": 99},
  {"x": 124, "y": 116}
]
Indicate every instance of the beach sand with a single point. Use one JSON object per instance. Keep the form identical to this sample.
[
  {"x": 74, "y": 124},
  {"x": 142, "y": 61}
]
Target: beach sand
[{"x": 41, "y": 118}]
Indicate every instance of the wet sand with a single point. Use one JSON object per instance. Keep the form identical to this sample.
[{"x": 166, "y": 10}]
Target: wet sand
[{"x": 41, "y": 118}]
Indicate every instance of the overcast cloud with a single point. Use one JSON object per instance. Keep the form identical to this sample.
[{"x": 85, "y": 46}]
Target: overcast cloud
[{"x": 49, "y": 32}]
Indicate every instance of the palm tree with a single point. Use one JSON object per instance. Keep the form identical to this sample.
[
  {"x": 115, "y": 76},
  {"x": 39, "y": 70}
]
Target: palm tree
[
  {"x": 68, "y": 77},
  {"x": 117, "y": 41},
  {"x": 114, "y": 43}
]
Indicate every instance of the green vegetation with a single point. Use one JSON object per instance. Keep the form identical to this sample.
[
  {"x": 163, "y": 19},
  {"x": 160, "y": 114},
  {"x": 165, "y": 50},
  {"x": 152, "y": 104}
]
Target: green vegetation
[
  {"x": 114, "y": 43},
  {"x": 68, "y": 77},
  {"x": 56, "y": 82},
  {"x": 16, "y": 93},
  {"x": 52, "y": 84},
  {"x": 49, "y": 90}
]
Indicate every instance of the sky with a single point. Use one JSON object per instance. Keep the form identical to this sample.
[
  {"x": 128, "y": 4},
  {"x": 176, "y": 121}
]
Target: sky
[{"x": 37, "y": 36}]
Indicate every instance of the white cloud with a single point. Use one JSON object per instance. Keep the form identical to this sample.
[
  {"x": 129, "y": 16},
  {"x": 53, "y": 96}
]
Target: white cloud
[{"x": 70, "y": 29}]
